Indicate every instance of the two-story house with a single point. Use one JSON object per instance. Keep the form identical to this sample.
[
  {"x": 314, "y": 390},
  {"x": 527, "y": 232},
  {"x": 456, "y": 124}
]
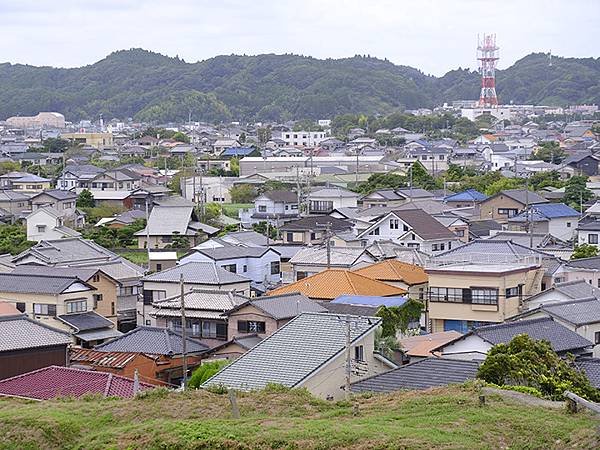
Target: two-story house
[
  {"x": 508, "y": 203},
  {"x": 394, "y": 197},
  {"x": 31, "y": 183},
  {"x": 556, "y": 219},
  {"x": 65, "y": 202},
  {"x": 412, "y": 228},
  {"x": 77, "y": 176},
  {"x": 327, "y": 199},
  {"x": 14, "y": 203},
  {"x": 275, "y": 207},
  {"x": 262, "y": 265},
  {"x": 312, "y": 229},
  {"x": 196, "y": 275},
  {"x": 46, "y": 223}
]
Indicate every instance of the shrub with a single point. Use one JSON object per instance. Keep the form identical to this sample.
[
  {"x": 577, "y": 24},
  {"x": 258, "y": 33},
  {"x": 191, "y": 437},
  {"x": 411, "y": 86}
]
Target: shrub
[{"x": 206, "y": 371}]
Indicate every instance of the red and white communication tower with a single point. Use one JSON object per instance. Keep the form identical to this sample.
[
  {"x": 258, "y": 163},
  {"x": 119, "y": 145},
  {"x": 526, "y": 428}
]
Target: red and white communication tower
[{"x": 487, "y": 54}]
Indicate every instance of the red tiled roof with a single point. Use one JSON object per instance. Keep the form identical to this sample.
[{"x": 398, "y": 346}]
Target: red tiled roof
[{"x": 54, "y": 381}]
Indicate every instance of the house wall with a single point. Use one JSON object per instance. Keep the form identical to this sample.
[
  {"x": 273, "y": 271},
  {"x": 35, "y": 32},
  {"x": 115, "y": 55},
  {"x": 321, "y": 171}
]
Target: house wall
[
  {"x": 29, "y": 186},
  {"x": 583, "y": 237},
  {"x": 108, "y": 288},
  {"x": 58, "y": 300},
  {"x": 250, "y": 312},
  {"x": 489, "y": 208},
  {"x": 42, "y": 218},
  {"x": 329, "y": 380},
  {"x": 230, "y": 352},
  {"x": 15, "y": 207},
  {"x": 311, "y": 269},
  {"x": 563, "y": 227},
  {"x": 17, "y": 362},
  {"x": 470, "y": 347},
  {"x": 67, "y": 207}
]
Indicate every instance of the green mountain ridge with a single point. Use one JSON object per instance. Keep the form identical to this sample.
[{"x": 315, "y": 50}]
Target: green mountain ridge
[{"x": 156, "y": 88}]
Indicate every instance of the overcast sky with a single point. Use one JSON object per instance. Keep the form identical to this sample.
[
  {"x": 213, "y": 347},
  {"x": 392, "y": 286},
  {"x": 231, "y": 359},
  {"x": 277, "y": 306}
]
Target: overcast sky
[{"x": 434, "y": 36}]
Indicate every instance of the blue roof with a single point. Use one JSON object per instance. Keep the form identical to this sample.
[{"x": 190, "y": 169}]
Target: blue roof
[
  {"x": 368, "y": 300},
  {"x": 470, "y": 195},
  {"x": 238, "y": 151},
  {"x": 543, "y": 211}
]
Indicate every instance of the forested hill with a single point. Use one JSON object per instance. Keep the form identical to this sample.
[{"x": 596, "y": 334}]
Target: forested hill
[{"x": 152, "y": 87}]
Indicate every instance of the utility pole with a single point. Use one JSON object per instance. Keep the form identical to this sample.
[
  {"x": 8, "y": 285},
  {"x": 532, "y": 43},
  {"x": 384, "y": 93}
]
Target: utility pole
[
  {"x": 348, "y": 360},
  {"x": 147, "y": 234},
  {"x": 298, "y": 191},
  {"x": 356, "y": 178},
  {"x": 183, "y": 334},
  {"x": 328, "y": 243}
]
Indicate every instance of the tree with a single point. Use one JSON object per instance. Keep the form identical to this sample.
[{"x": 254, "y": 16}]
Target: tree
[
  {"x": 242, "y": 138},
  {"x": 205, "y": 371},
  {"x": 549, "y": 152},
  {"x": 56, "y": 145},
  {"x": 242, "y": 193},
  {"x": 396, "y": 319},
  {"x": 9, "y": 166},
  {"x": 527, "y": 362},
  {"x": 263, "y": 134},
  {"x": 584, "y": 251},
  {"x": 212, "y": 212},
  {"x": 541, "y": 180},
  {"x": 181, "y": 137},
  {"x": 85, "y": 199},
  {"x": 234, "y": 167},
  {"x": 421, "y": 177},
  {"x": 576, "y": 192},
  {"x": 261, "y": 227},
  {"x": 174, "y": 183},
  {"x": 180, "y": 241},
  {"x": 503, "y": 184},
  {"x": 13, "y": 239},
  {"x": 381, "y": 181}
]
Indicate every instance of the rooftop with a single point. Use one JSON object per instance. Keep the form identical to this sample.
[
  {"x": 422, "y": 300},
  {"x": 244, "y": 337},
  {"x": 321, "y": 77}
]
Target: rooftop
[
  {"x": 195, "y": 272},
  {"x": 394, "y": 270},
  {"x": 41, "y": 284},
  {"x": 151, "y": 340},
  {"x": 19, "y": 332},
  {"x": 284, "y": 306}
]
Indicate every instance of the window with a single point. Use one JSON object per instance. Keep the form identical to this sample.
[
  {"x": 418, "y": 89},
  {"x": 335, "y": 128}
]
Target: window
[
  {"x": 441, "y": 157},
  {"x": 435, "y": 247},
  {"x": 158, "y": 267},
  {"x": 484, "y": 296},
  {"x": 568, "y": 224},
  {"x": 76, "y": 307},
  {"x": 275, "y": 268},
  {"x": 41, "y": 228},
  {"x": 405, "y": 227},
  {"x": 510, "y": 212},
  {"x": 148, "y": 323},
  {"x": 313, "y": 236},
  {"x": 597, "y": 337},
  {"x": 97, "y": 298},
  {"x": 214, "y": 330},
  {"x": 96, "y": 278},
  {"x": 394, "y": 224},
  {"x": 20, "y": 306},
  {"x": 359, "y": 353},
  {"x": 301, "y": 275},
  {"x": 245, "y": 268},
  {"x": 112, "y": 308},
  {"x": 251, "y": 326},
  {"x": 375, "y": 232},
  {"x": 592, "y": 238},
  {"x": 167, "y": 239},
  {"x": 513, "y": 292},
  {"x": 262, "y": 208},
  {"x": 44, "y": 309},
  {"x": 231, "y": 268},
  {"x": 442, "y": 246},
  {"x": 289, "y": 237},
  {"x": 460, "y": 233}
]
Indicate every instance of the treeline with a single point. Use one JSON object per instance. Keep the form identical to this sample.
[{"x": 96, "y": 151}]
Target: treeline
[{"x": 151, "y": 87}]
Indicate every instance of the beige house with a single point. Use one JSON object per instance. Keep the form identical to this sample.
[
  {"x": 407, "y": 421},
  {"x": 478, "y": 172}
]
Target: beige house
[
  {"x": 309, "y": 352},
  {"x": 98, "y": 140},
  {"x": 507, "y": 204},
  {"x": 463, "y": 296}
]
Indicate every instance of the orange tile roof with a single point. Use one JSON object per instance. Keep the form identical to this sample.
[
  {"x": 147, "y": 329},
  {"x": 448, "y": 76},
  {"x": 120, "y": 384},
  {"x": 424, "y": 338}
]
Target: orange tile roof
[
  {"x": 424, "y": 344},
  {"x": 332, "y": 283},
  {"x": 394, "y": 270}
]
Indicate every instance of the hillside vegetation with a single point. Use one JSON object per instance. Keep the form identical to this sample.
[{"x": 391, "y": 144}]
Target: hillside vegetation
[
  {"x": 447, "y": 418},
  {"x": 155, "y": 88}
]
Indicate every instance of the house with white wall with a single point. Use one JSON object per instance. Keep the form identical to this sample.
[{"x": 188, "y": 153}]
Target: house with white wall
[
  {"x": 556, "y": 219},
  {"x": 325, "y": 200},
  {"x": 46, "y": 223},
  {"x": 275, "y": 207}
]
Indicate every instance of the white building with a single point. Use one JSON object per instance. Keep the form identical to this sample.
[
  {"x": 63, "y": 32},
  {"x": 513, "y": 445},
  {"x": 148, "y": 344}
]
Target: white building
[
  {"x": 301, "y": 138},
  {"x": 46, "y": 223}
]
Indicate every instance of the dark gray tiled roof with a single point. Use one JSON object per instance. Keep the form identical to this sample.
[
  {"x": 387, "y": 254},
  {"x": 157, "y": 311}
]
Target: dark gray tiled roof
[
  {"x": 293, "y": 352},
  {"x": 424, "y": 374},
  {"x": 316, "y": 223},
  {"x": 286, "y": 306},
  {"x": 578, "y": 312},
  {"x": 424, "y": 225},
  {"x": 221, "y": 253},
  {"x": 63, "y": 251},
  {"x": 37, "y": 284},
  {"x": 21, "y": 332},
  {"x": 197, "y": 273},
  {"x": 86, "y": 321},
  {"x": 560, "y": 338},
  {"x": 591, "y": 367},
  {"x": 577, "y": 289},
  {"x": 83, "y": 273},
  {"x": 353, "y": 310},
  {"x": 586, "y": 263},
  {"x": 152, "y": 340}
]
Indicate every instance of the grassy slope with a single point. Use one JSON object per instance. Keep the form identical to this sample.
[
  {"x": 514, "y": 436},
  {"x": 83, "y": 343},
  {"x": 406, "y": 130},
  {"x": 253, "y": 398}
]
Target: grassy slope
[{"x": 444, "y": 418}]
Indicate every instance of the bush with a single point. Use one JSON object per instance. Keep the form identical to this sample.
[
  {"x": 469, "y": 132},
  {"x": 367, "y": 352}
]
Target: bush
[{"x": 206, "y": 371}]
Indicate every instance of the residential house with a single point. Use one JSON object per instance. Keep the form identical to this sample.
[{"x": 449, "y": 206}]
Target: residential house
[
  {"x": 581, "y": 316},
  {"x": 331, "y": 283},
  {"x": 407, "y": 276},
  {"x": 561, "y": 292},
  {"x": 27, "y": 345},
  {"x": 588, "y": 232},
  {"x": 422, "y": 374},
  {"x": 63, "y": 201},
  {"x": 162, "y": 260},
  {"x": 584, "y": 269},
  {"x": 556, "y": 219},
  {"x": 312, "y": 260},
  {"x": 165, "y": 345},
  {"x": 584, "y": 163},
  {"x": 173, "y": 224},
  {"x": 262, "y": 265},
  {"x": 122, "y": 220},
  {"x": 233, "y": 348},
  {"x": 483, "y": 228},
  {"x": 47, "y": 223},
  {"x": 475, "y": 344},
  {"x": 262, "y": 316},
  {"x": 239, "y": 152},
  {"x": 417, "y": 348},
  {"x": 204, "y": 311},
  {"x": 16, "y": 204},
  {"x": 30, "y": 183},
  {"x": 53, "y": 382},
  {"x": 77, "y": 176},
  {"x": 508, "y": 203},
  {"x": 413, "y": 228},
  {"x": 220, "y": 145},
  {"x": 312, "y": 229},
  {"x": 89, "y": 328},
  {"x": 275, "y": 207},
  {"x": 308, "y": 352},
  {"x": 469, "y": 197},
  {"x": 326, "y": 200},
  {"x": 196, "y": 275},
  {"x": 394, "y": 197},
  {"x": 456, "y": 224}
]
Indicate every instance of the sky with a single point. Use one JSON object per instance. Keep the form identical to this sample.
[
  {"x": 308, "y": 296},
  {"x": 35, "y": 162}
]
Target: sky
[{"x": 432, "y": 35}]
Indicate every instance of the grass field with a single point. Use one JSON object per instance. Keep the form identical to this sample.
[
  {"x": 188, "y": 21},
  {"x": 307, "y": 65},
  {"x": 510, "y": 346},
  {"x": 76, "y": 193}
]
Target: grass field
[
  {"x": 231, "y": 209},
  {"x": 448, "y": 418}
]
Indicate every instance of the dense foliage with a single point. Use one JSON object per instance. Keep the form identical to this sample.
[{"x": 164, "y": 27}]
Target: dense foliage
[
  {"x": 584, "y": 251},
  {"x": 114, "y": 237},
  {"x": 13, "y": 239},
  {"x": 85, "y": 199},
  {"x": 527, "y": 362},
  {"x": 206, "y": 371},
  {"x": 396, "y": 319},
  {"x": 156, "y": 88}
]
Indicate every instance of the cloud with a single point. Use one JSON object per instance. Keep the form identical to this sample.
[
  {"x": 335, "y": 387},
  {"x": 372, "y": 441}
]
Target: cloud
[{"x": 434, "y": 36}]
